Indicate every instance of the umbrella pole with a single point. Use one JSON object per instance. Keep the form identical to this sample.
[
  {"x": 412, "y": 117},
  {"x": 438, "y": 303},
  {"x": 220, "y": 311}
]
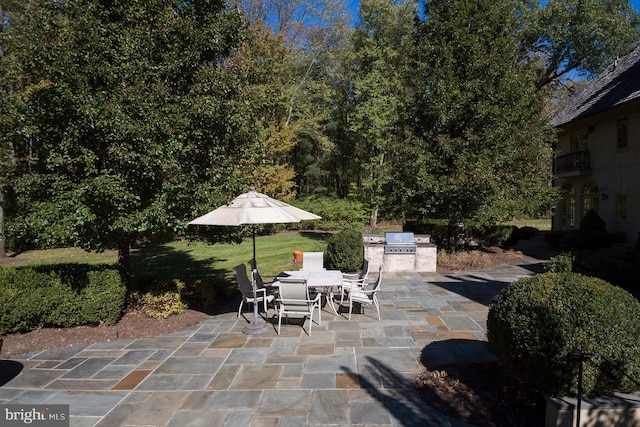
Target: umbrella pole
[
  {"x": 255, "y": 328},
  {"x": 255, "y": 302},
  {"x": 255, "y": 261}
]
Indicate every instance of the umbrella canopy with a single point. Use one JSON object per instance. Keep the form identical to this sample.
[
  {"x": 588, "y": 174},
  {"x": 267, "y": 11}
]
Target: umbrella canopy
[{"x": 254, "y": 208}]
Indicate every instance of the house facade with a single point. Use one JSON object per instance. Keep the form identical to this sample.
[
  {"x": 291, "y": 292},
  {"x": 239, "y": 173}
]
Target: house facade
[{"x": 597, "y": 161}]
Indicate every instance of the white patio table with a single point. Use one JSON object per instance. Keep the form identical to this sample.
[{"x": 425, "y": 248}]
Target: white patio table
[{"x": 324, "y": 281}]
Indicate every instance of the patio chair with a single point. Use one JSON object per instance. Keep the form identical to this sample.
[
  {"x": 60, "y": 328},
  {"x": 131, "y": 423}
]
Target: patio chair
[
  {"x": 294, "y": 299},
  {"x": 354, "y": 279},
  {"x": 246, "y": 289},
  {"x": 313, "y": 261},
  {"x": 365, "y": 294}
]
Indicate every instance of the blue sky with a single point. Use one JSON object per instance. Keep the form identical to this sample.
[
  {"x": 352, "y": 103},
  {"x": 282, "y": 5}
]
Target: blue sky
[{"x": 353, "y": 7}]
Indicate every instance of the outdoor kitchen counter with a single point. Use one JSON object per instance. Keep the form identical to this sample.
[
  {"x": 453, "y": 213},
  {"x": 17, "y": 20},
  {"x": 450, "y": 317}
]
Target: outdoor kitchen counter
[{"x": 422, "y": 258}]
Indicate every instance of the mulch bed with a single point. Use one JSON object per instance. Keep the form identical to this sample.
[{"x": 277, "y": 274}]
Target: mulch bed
[
  {"x": 481, "y": 394},
  {"x": 134, "y": 324}
]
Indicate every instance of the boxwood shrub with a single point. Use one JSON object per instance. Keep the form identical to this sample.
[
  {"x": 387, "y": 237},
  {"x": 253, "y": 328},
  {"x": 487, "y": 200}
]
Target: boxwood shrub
[
  {"x": 592, "y": 222},
  {"x": 497, "y": 235},
  {"x": 345, "y": 251},
  {"x": 60, "y": 295},
  {"x": 161, "y": 298},
  {"x": 536, "y": 323}
]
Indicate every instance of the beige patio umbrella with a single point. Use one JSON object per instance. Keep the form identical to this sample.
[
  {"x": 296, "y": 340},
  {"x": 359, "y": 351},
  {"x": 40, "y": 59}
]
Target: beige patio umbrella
[{"x": 254, "y": 208}]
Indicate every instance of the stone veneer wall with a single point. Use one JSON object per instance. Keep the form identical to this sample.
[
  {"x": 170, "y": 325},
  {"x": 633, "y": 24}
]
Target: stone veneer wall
[
  {"x": 423, "y": 260},
  {"x": 619, "y": 410}
]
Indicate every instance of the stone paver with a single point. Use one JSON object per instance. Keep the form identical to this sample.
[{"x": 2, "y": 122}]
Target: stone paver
[{"x": 357, "y": 372}]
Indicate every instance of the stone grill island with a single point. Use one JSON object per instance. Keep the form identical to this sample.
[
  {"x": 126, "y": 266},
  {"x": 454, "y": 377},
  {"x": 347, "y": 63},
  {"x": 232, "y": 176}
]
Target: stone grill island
[{"x": 401, "y": 251}]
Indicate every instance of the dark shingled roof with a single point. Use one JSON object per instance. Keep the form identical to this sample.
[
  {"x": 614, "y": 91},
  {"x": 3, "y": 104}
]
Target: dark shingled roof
[{"x": 618, "y": 84}]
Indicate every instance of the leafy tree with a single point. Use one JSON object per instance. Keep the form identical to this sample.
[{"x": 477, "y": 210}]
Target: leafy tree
[
  {"x": 122, "y": 117},
  {"x": 296, "y": 21},
  {"x": 286, "y": 18},
  {"x": 582, "y": 36},
  {"x": 479, "y": 148},
  {"x": 382, "y": 44},
  {"x": 7, "y": 150},
  {"x": 319, "y": 96},
  {"x": 263, "y": 65},
  {"x": 314, "y": 33}
]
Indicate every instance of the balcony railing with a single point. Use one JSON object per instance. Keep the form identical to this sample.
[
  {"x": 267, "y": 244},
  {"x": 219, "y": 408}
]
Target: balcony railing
[{"x": 572, "y": 162}]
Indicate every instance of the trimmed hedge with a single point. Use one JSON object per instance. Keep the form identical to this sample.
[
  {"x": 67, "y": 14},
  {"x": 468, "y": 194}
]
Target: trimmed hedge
[
  {"x": 422, "y": 227},
  {"x": 535, "y": 323},
  {"x": 617, "y": 265},
  {"x": 345, "y": 251},
  {"x": 60, "y": 295},
  {"x": 455, "y": 236},
  {"x": 572, "y": 240},
  {"x": 562, "y": 263},
  {"x": 497, "y": 235}
]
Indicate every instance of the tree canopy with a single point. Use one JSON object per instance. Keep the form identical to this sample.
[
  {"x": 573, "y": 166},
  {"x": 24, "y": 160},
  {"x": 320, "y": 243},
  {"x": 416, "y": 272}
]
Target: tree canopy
[
  {"x": 479, "y": 147},
  {"x": 579, "y": 36},
  {"x": 122, "y": 120},
  {"x": 382, "y": 47}
]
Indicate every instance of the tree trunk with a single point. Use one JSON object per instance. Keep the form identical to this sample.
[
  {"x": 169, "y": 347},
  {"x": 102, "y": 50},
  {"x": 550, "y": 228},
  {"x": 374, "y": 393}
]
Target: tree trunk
[
  {"x": 374, "y": 218},
  {"x": 124, "y": 262}
]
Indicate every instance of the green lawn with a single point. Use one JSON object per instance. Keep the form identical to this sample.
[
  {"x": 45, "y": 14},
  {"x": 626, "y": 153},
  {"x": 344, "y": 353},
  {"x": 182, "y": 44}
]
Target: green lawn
[
  {"x": 540, "y": 224},
  {"x": 192, "y": 260}
]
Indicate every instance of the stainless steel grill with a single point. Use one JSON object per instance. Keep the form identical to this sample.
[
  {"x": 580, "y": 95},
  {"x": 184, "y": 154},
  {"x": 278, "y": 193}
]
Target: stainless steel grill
[{"x": 399, "y": 243}]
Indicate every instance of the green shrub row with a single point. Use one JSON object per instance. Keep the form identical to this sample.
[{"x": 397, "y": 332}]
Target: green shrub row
[
  {"x": 573, "y": 240},
  {"x": 60, "y": 295},
  {"x": 536, "y": 324},
  {"x": 619, "y": 265},
  {"x": 455, "y": 236},
  {"x": 337, "y": 214}
]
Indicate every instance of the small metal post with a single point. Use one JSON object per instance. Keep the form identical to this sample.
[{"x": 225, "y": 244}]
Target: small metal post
[
  {"x": 579, "y": 407},
  {"x": 581, "y": 356}
]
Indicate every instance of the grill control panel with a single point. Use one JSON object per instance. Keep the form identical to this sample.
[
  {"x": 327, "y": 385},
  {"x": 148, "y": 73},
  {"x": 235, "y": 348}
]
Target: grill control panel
[{"x": 400, "y": 249}]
